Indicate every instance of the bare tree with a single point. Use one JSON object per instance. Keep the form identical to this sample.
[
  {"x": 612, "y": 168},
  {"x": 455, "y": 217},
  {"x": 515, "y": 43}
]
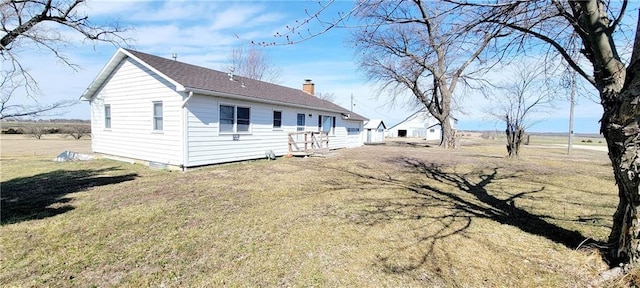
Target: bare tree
[
  {"x": 329, "y": 96},
  {"x": 253, "y": 62},
  {"x": 35, "y": 130},
  {"x": 14, "y": 82},
  {"x": 584, "y": 34},
  {"x": 416, "y": 46},
  {"x": 515, "y": 101},
  {"x": 77, "y": 130},
  {"x": 39, "y": 24}
]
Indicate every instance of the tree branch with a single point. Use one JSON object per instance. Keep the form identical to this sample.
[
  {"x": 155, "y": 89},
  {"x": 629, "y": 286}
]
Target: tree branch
[{"x": 554, "y": 44}]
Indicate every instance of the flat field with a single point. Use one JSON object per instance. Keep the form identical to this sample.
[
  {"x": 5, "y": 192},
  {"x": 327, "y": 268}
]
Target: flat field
[
  {"x": 403, "y": 214},
  {"x": 24, "y": 146}
]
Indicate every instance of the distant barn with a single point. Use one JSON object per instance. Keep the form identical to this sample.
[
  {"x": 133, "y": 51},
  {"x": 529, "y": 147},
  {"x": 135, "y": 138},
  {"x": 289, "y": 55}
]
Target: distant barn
[{"x": 420, "y": 124}]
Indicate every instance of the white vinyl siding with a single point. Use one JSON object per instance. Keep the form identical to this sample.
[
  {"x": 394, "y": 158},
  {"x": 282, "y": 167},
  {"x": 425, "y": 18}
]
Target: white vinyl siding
[
  {"x": 207, "y": 146},
  {"x": 129, "y": 90},
  {"x": 353, "y": 131}
]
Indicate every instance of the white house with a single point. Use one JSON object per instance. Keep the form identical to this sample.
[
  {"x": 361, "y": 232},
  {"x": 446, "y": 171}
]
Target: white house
[
  {"x": 420, "y": 124},
  {"x": 374, "y": 131},
  {"x": 165, "y": 112}
]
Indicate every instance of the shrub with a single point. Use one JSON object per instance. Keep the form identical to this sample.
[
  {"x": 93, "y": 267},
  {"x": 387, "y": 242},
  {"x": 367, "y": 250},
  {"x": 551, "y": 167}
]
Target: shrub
[
  {"x": 77, "y": 131},
  {"x": 13, "y": 131},
  {"x": 35, "y": 131},
  {"x": 488, "y": 135}
]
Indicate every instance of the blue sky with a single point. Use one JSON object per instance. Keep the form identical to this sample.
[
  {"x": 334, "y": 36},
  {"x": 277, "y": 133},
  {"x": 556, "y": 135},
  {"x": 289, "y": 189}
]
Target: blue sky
[{"x": 204, "y": 32}]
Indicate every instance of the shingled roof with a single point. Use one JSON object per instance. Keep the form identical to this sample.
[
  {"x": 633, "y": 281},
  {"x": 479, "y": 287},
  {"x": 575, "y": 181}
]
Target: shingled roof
[{"x": 210, "y": 81}]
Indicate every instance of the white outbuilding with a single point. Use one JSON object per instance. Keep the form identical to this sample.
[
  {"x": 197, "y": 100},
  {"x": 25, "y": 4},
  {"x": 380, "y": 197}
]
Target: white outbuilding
[
  {"x": 420, "y": 124},
  {"x": 374, "y": 130}
]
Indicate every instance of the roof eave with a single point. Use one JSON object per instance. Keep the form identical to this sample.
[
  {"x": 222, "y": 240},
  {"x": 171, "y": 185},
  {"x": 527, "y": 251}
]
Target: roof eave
[
  {"x": 253, "y": 99},
  {"x": 108, "y": 69},
  {"x": 102, "y": 76}
]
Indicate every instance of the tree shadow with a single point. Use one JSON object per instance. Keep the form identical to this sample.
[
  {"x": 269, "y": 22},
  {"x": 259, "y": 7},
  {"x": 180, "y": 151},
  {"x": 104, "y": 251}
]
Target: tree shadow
[
  {"x": 411, "y": 144},
  {"x": 503, "y": 211},
  {"x": 45, "y": 195},
  {"x": 456, "y": 210}
]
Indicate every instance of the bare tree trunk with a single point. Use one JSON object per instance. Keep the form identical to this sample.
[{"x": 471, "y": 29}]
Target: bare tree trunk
[
  {"x": 514, "y": 140},
  {"x": 447, "y": 137},
  {"x": 621, "y": 130},
  {"x": 620, "y": 126}
]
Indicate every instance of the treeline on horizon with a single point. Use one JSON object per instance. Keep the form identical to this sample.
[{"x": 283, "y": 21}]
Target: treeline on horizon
[
  {"x": 57, "y": 120},
  {"x": 552, "y": 134},
  {"x": 76, "y": 128}
]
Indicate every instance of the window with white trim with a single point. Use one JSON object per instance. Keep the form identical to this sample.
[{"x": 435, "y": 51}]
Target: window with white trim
[
  {"x": 277, "y": 119},
  {"x": 227, "y": 118},
  {"x": 107, "y": 116},
  {"x": 157, "y": 116},
  {"x": 243, "y": 119},
  {"x": 300, "y": 122},
  {"x": 234, "y": 119}
]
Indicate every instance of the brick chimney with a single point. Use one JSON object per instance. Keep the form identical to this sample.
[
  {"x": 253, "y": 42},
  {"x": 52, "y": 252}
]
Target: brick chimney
[{"x": 308, "y": 87}]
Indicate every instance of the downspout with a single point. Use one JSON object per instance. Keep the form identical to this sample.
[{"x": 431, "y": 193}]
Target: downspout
[
  {"x": 185, "y": 132},
  {"x": 184, "y": 102}
]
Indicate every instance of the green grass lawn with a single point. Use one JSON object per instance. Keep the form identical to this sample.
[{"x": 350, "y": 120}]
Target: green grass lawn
[{"x": 395, "y": 215}]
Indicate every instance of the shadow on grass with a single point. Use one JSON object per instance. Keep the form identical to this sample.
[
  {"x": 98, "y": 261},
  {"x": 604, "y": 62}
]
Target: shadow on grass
[
  {"x": 503, "y": 211},
  {"x": 469, "y": 200},
  {"x": 44, "y": 195},
  {"x": 408, "y": 144}
]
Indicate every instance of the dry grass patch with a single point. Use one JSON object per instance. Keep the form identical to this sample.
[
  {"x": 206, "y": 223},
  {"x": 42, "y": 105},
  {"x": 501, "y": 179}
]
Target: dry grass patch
[
  {"x": 401, "y": 214},
  {"x": 25, "y": 147}
]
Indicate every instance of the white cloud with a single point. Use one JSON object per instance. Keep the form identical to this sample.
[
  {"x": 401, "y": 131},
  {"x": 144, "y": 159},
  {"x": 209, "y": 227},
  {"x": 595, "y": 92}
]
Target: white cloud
[
  {"x": 235, "y": 17},
  {"x": 172, "y": 11},
  {"x": 108, "y": 8}
]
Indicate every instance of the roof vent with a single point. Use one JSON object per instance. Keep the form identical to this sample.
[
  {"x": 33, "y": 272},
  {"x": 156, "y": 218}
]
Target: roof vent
[{"x": 230, "y": 74}]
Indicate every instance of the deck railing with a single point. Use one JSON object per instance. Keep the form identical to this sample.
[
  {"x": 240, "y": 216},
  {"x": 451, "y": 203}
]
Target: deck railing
[{"x": 311, "y": 142}]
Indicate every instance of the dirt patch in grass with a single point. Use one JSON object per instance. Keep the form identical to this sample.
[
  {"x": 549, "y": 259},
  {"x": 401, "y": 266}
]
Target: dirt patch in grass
[{"x": 387, "y": 215}]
